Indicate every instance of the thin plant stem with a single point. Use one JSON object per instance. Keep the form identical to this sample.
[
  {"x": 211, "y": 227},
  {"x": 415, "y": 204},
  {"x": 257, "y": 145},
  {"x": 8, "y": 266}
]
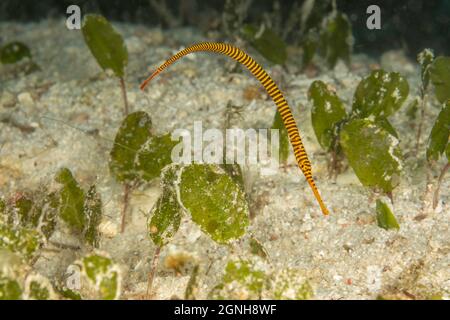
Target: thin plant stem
[
  {"x": 422, "y": 118},
  {"x": 151, "y": 274},
  {"x": 438, "y": 187},
  {"x": 124, "y": 95},
  {"x": 126, "y": 201}
]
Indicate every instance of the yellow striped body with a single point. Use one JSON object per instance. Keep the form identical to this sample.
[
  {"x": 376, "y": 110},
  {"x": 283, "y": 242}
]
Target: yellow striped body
[{"x": 271, "y": 88}]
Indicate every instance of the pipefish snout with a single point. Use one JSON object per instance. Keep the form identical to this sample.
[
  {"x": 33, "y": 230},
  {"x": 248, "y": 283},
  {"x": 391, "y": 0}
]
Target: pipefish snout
[{"x": 272, "y": 89}]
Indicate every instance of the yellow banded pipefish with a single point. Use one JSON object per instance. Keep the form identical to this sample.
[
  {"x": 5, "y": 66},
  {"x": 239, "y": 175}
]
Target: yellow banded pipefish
[{"x": 273, "y": 91}]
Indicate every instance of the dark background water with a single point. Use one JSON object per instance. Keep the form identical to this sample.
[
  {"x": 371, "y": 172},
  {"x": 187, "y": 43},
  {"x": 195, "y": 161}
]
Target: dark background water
[{"x": 408, "y": 24}]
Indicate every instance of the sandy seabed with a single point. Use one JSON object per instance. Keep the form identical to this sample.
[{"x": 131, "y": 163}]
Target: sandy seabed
[{"x": 74, "y": 110}]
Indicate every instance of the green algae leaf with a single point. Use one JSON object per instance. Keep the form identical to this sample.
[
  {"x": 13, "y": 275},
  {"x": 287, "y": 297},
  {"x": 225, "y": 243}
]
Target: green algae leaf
[
  {"x": 70, "y": 294},
  {"x": 240, "y": 281},
  {"x": 235, "y": 172},
  {"x": 258, "y": 249},
  {"x": 72, "y": 198},
  {"x": 106, "y": 45},
  {"x": 166, "y": 214},
  {"x": 284, "y": 145},
  {"x": 93, "y": 213},
  {"x": 14, "y": 52},
  {"x": 38, "y": 287},
  {"x": 131, "y": 136},
  {"x": 23, "y": 208},
  {"x": 373, "y": 154},
  {"x": 336, "y": 38},
  {"x": 22, "y": 241},
  {"x": 440, "y": 77},
  {"x": 447, "y": 152},
  {"x": 153, "y": 156},
  {"x": 9, "y": 289},
  {"x": 103, "y": 275},
  {"x": 439, "y": 136},
  {"x": 37, "y": 211},
  {"x": 425, "y": 58},
  {"x": 267, "y": 43},
  {"x": 309, "y": 45},
  {"x": 215, "y": 201},
  {"x": 326, "y": 113},
  {"x": 386, "y": 125},
  {"x": 380, "y": 94},
  {"x": 385, "y": 217}
]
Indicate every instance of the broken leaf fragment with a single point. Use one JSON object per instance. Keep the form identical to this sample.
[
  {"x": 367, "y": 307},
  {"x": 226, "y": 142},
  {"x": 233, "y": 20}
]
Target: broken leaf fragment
[
  {"x": 440, "y": 77},
  {"x": 105, "y": 43},
  {"x": 72, "y": 197},
  {"x": 215, "y": 201},
  {"x": 166, "y": 213},
  {"x": 385, "y": 217},
  {"x": 326, "y": 113},
  {"x": 131, "y": 136},
  {"x": 373, "y": 154},
  {"x": 14, "y": 52},
  {"x": 380, "y": 94},
  {"x": 440, "y": 134}
]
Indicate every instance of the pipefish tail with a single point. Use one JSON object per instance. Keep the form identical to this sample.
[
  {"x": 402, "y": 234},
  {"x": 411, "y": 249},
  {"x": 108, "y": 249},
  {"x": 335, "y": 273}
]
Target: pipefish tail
[{"x": 272, "y": 89}]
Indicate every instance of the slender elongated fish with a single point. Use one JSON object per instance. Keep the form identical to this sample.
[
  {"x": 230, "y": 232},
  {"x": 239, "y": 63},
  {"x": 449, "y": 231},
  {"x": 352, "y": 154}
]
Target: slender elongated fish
[{"x": 272, "y": 89}]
